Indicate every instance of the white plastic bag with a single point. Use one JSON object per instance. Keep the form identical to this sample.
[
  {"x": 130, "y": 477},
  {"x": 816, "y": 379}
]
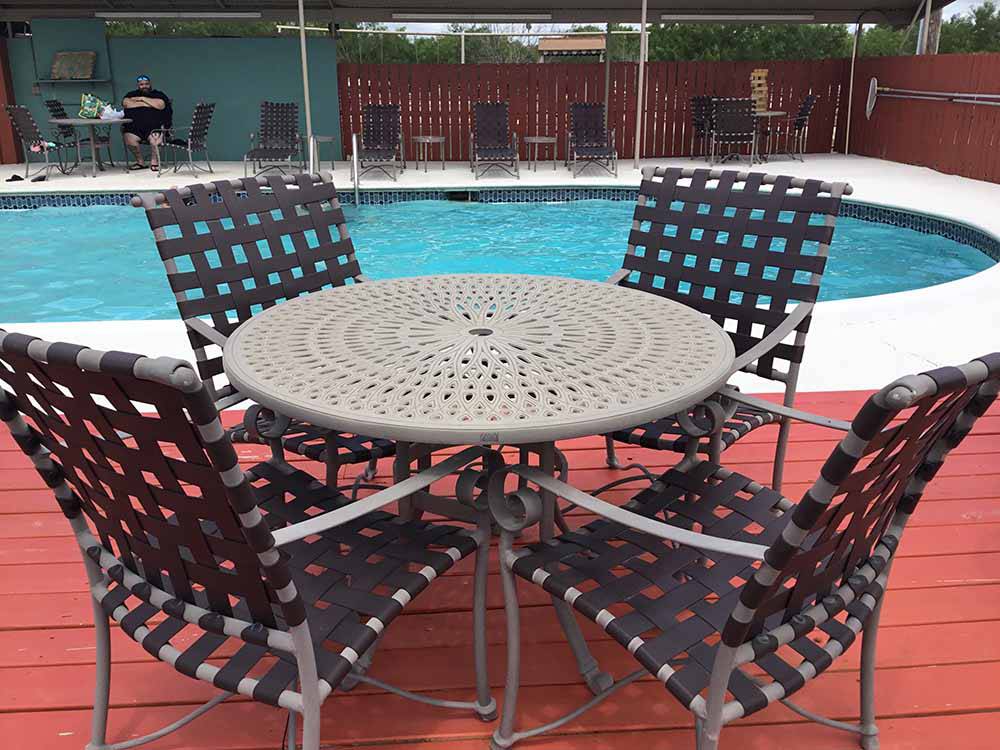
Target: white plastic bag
[{"x": 110, "y": 113}]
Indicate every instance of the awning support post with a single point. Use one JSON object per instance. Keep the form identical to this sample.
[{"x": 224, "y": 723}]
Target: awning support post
[
  {"x": 305, "y": 88},
  {"x": 642, "y": 89},
  {"x": 850, "y": 89}
]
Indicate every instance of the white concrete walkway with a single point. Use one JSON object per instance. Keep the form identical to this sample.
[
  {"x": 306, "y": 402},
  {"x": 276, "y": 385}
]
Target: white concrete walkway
[{"x": 853, "y": 344}]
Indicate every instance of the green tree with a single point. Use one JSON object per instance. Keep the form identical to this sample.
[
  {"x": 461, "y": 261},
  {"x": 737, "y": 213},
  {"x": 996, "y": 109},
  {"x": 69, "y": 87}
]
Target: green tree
[
  {"x": 623, "y": 47},
  {"x": 975, "y": 31},
  {"x": 716, "y": 41}
]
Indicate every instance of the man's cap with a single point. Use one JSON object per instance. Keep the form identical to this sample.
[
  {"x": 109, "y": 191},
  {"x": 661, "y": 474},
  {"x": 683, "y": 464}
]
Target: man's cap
[{"x": 140, "y": 79}]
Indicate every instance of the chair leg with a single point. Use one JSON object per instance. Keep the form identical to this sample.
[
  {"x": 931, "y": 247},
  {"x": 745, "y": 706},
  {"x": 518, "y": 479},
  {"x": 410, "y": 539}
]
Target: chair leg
[
  {"x": 869, "y": 729},
  {"x": 102, "y": 681},
  {"x": 779, "y": 454},
  {"x": 611, "y": 457}
]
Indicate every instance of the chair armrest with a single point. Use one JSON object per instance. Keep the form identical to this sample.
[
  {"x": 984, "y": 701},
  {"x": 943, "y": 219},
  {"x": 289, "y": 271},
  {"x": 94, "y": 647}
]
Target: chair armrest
[
  {"x": 632, "y": 520},
  {"x": 397, "y": 492},
  {"x": 618, "y": 276},
  {"x": 785, "y": 411},
  {"x": 200, "y": 326},
  {"x": 775, "y": 337}
]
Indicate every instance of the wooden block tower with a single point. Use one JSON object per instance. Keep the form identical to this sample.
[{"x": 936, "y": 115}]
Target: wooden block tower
[{"x": 758, "y": 88}]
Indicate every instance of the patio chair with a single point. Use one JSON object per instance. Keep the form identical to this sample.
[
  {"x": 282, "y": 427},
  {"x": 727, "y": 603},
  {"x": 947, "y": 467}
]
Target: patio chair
[
  {"x": 492, "y": 144},
  {"x": 742, "y": 248},
  {"x": 262, "y": 582},
  {"x": 234, "y": 248},
  {"x": 795, "y": 129},
  {"x": 70, "y": 136},
  {"x": 588, "y": 140},
  {"x": 197, "y": 140},
  {"x": 701, "y": 126},
  {"x": 33, "y": 142},
  {"x": 735, "y": 129},
  {"x": 278, "y": 144},
  {"x": 381, "y": 143},
  {"x": 729, "y": 594}
]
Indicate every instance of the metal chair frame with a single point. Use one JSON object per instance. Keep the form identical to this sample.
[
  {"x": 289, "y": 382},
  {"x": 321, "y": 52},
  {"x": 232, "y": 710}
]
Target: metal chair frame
[
  {"x": 588, "y": 129},
  {"x": 733, "y": 124},
  {"x": 29, "y": 135},
  {"x": 742, "y": 287},
  {"x": 376, "y": 119},
  {"x": 239, "y": 214},
  {"x": 197, "y": 140},
  {"x": 252, "y": 595},
  {"x": 491, "y": 129},
  {"x": 819, "y": 568},
  {"x": 278, "y": 133}
]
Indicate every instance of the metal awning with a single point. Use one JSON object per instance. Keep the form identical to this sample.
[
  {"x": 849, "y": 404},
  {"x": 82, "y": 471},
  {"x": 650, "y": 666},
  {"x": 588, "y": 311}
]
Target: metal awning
[{"x": 897, "y": 12}]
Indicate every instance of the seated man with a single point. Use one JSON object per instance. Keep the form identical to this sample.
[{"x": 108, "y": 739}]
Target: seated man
[{"x": 150, "y": 111}]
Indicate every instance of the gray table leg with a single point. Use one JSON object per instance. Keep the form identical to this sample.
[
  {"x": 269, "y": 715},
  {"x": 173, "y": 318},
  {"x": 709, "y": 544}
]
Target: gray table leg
[
  {"x": 93, "y": 151},
  {"x": 441, "y": 150}
]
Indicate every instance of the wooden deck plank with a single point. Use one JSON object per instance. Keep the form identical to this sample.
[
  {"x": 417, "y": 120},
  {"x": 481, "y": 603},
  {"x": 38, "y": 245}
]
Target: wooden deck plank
[{"x": 938, "y": 661}]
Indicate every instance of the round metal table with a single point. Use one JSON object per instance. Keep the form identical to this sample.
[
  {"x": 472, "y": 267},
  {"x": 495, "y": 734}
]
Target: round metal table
[
  {"x": 90, "y": 123},
  {"x": 478, "y": 359}
]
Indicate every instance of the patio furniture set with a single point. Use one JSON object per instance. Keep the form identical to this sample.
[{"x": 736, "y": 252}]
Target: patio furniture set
[
  {"x": 724, "y": 127},
  {"x": 493, "y": 144},
  {"x": 269, "y": 583}
]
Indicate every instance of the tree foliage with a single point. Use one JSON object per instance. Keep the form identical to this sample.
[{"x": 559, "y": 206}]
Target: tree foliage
[{"x": 978, "y": 30}]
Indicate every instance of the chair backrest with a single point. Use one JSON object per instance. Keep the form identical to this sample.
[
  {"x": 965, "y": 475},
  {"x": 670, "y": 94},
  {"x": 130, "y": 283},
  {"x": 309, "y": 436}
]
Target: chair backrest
[
  {"x": 139, "y": 462},
  {"x": 805, "y": 109},
  {"x": 701, "y": 114},
  {"x": 380, "y": 126},
  {"x": 279, "y": 125},
  {"x": 586, "y": 124},
  {"x": 842, "y": 535},
  {"x": 201, "y": 121},
  {"x": 739, "y": 247},
  {"x": 492, "y": 124},
  {"x": 734, "y": 120},
  {"x": 235, "y": 247},
  {"x": 57, "y": 110},
  {"x": 24, "y": 124}
]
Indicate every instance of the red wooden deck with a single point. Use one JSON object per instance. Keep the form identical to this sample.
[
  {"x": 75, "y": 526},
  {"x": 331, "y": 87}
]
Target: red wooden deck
[{"x": 939, "y": 654}]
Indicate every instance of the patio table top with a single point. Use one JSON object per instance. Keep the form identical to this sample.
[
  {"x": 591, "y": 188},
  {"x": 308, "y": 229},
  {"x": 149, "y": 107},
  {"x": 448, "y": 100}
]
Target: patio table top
[{"x": 470, "y": 359}]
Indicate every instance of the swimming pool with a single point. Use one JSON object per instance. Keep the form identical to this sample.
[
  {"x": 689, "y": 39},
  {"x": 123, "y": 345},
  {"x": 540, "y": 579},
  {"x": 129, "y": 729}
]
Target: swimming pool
[{"x": 99, "y": 262}]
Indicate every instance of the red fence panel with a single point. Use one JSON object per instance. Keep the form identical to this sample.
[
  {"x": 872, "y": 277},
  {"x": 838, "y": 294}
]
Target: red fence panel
[
  {"x": 952, "y": 137},
  {"x": 438, "y": 99}
]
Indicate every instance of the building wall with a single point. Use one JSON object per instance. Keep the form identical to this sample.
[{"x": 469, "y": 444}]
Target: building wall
[{"x": 235, "y": 73}]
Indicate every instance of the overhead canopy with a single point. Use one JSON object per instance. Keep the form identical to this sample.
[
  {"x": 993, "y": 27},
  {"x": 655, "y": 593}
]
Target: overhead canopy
[{"x": 896, "y": 12}]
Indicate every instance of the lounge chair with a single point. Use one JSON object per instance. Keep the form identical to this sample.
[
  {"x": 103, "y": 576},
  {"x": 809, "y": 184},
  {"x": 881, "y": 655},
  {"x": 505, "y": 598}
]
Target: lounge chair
[
  {"x": 588, "y": 139},
  {"x": 278, "y": 144},
  {"x": 70, "y": 136},
  {"x": 269, "y": 239},
  {"x": 231, "y": 577},
  {"x": 748, "y": 250},
  {"x": 380, "y": 145},
  {"x": 197, "y": 140},
  {"x": 735, "y": 128},
  {"x": 33, "y": 142},
  {"x": 492, "y": 145},
  {"x": 729, "y": 595}
]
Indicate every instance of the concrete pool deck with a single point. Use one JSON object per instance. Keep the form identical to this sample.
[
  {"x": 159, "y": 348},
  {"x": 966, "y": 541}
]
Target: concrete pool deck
[{"x": 854, "y": 344}]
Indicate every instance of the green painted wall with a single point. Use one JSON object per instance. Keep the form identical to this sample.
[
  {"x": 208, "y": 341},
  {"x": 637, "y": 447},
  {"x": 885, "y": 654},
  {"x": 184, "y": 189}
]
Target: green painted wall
[{"x": 234, "y": 73}]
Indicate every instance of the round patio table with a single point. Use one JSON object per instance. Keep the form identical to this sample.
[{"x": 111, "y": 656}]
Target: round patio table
[
  {"x": 90, "y": 123},
  {"x": 471, "y": 359}
]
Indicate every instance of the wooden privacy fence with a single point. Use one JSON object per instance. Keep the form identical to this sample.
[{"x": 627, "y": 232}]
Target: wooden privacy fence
[
  {"x": 437, "y": 99},
  {"x": 953, "y": 137}
]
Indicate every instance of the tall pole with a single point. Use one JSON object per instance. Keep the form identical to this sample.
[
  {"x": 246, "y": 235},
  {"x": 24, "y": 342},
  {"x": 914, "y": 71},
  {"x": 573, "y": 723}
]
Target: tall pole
[
  {"x": 305, "y": 86},
  {"x": 607, "y": 71},
  {"x": 639, "y": 98},
  {"x": 925, "y": 30},
  {"x": 463, "y": 46},
  {"x": 850, "y": 88}
]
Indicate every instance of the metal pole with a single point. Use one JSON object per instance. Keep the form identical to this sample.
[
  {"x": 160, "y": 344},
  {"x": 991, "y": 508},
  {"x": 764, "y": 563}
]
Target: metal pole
[
  {"x": 850, "y": 89},
  {"x": 607, "y": 71},
  {"x": 925, "y": 29},
  {"x": 463, "y": 46},
  {"x": 639, "y": 98},
  {"x": 305, "y": 86}
]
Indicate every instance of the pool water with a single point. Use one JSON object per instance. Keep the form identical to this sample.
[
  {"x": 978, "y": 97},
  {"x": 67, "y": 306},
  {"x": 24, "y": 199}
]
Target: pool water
[{"x": 99, "y": 262}]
